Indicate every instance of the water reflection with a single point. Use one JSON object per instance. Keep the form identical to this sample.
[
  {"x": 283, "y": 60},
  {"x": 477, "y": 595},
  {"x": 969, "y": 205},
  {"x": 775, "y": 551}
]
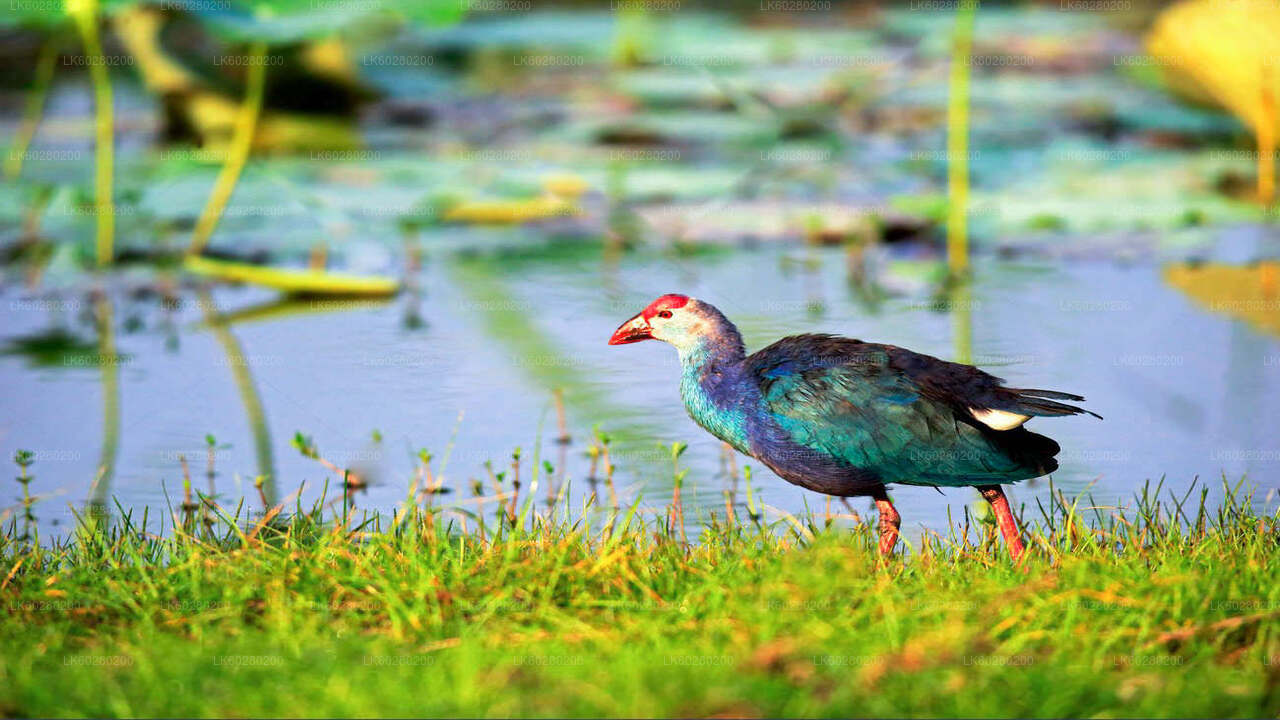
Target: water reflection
[
  {"x": 109, "y": 365},
  {"x": 265, "y": 481}
]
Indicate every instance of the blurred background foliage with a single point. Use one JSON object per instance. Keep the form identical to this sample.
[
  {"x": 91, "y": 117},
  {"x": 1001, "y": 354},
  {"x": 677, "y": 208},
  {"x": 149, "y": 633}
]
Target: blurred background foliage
[{"x": 596, "y": 153}]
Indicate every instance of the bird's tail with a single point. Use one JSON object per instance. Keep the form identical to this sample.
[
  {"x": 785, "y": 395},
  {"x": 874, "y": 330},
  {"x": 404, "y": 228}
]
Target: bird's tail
[
  {"x": 1045, "y": 403},
  {"x": 1030, "y": 450}
]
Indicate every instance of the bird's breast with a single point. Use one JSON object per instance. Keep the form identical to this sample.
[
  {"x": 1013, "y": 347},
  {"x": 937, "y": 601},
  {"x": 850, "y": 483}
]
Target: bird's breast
[{"x": 716, "y": 408}]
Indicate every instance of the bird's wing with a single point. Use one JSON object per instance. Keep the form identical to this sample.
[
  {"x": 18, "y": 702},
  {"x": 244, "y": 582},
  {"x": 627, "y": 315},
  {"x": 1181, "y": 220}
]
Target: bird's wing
[
  {"x": 966, "y": 389},
  {"x": 882, "y": 407}
]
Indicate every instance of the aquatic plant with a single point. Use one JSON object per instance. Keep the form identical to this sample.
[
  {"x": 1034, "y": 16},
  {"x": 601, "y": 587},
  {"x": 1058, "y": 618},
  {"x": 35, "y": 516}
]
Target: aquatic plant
[
  {"x": 33, "y": 108},
  {"x": 315, "y": 62},
  {"x": 237, "y": 152},
  {"x": 600, "y": 448},
  {"x": 165, "y": 75},
  {"x": 292, "y": 280},
  {"x": 85, "y": 15},
  {"x": 1227, "y": 53},
  {"x": 958, "y": 140},
  {"x": 24, "y": 460},
  {"x": 559, "y": 197},
  {"x": 504, "y": 212},
  {"x": 632, "y": 36}
]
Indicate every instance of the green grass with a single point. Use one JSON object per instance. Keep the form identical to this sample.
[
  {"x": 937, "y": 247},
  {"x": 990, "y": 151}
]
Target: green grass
[{"x": 1155, "y": 610}]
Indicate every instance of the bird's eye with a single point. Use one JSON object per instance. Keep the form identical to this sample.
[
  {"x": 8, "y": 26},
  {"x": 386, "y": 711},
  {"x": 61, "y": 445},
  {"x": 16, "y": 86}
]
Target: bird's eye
[{"x": 664, "y": 314}]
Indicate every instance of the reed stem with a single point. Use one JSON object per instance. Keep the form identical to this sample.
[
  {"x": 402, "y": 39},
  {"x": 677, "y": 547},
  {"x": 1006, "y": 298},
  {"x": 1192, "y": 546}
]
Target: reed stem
[
  {"x": 85, "y": 14},
  {"x": 237, "y": 153},
  {"x": 958, "y": 140}
]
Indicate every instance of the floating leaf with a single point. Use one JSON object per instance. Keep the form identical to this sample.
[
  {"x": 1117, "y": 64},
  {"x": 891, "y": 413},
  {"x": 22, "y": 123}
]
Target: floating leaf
[
  {"x": 501, "y": 212},
  {"x": 295, "y": 281}
]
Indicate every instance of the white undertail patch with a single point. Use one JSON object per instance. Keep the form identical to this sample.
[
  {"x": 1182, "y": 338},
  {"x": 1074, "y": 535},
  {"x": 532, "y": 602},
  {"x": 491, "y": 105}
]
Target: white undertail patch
[{"x": 998, "y": 419}]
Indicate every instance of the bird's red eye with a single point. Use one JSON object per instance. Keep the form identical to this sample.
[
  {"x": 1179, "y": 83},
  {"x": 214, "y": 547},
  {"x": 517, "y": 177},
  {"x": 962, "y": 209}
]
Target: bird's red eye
[{"x": 664, "y": 314}]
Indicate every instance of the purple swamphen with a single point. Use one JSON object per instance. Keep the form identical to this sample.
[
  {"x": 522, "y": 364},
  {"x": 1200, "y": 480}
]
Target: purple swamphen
[{"x": 846, "y": 417}]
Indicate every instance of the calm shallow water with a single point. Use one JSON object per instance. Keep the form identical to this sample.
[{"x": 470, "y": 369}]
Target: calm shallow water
[{"x": 471, "y": 362}]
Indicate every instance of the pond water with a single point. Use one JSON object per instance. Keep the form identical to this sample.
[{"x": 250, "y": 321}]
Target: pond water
[{"x": 467, "y": 364}]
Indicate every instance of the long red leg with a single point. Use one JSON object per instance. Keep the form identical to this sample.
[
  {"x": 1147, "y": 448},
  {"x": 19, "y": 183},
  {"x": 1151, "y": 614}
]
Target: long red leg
[
  {"x": 994, "y": 494},
  {"x": 890, "y": 521}
]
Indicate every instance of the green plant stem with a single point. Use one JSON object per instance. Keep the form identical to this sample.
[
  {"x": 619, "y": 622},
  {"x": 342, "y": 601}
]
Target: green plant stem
[
  {"x": 237, "y": 153},
  {"x": 960, "y": 298},
  {"x": 28, "y": 516},
  {"x": 34, "y": 107},
  {"x": 86, "y": 17},
  {"x": 958, "y": 140}
]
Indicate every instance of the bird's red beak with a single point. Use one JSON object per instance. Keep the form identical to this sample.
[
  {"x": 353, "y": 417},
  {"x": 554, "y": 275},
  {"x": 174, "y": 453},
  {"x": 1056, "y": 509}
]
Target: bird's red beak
[{"x": 633, "y": 330}]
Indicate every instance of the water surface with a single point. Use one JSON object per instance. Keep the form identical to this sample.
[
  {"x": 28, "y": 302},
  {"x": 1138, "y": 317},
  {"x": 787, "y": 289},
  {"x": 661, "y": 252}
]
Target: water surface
[{"x": 466, "y": 367}]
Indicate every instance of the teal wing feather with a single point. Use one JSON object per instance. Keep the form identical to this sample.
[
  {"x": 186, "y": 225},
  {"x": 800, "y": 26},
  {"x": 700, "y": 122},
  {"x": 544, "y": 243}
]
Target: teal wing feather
[{"x": 851, "y": 401}]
